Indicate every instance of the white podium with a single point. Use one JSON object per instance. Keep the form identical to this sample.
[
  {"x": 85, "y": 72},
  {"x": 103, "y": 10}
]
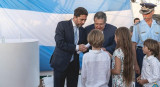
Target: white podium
[{"x": 19, "y": 63}]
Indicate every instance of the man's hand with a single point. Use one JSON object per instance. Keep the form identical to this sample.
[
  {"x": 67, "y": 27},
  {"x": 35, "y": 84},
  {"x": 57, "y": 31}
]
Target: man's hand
[
  {"x": 82, "y": 48},
  {"x": 137, "y": 69},
  {"x": 104, "y": 49}
]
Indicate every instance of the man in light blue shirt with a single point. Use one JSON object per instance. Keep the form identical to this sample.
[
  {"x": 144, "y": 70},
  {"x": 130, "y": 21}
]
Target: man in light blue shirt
[{"x": 145, "y": 29}]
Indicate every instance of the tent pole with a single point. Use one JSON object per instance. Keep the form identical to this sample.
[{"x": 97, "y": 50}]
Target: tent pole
[{"x": 132, "y": 11}]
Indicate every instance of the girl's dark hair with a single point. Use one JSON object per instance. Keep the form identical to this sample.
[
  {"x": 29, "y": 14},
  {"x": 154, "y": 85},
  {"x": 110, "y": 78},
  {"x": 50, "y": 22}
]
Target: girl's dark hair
[
  {"x": 153, "y": 46},
  {"x": 124, "y": 42}
]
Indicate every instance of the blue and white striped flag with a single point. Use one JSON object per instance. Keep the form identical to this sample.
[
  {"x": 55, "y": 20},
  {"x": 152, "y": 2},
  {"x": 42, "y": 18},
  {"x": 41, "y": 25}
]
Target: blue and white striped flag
[{"x": 37, "y": 19}]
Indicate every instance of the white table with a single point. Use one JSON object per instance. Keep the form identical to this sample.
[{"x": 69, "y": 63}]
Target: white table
[{"x": 19, "y": 63}]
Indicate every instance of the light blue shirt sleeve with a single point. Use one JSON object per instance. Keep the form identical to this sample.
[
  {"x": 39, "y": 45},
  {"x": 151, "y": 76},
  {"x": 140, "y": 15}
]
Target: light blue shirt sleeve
[
  {"x": 135, "y": 34},
  {"x": 156, "y": 32}
]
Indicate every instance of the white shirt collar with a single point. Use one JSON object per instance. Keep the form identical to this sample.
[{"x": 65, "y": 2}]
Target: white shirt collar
[
  {"x": 95, "y": 51},
  {"x": 150, "y": 57},
  {"x": 74, "y": 25}
]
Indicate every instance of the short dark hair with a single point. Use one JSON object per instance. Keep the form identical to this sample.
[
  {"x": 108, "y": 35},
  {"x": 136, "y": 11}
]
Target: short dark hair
[
  {"x": 100, "y": 15},
  {"x": 153, "y": 46},
  {"x": 136, "y": 19},
  {"x": 80, "y": 11}
]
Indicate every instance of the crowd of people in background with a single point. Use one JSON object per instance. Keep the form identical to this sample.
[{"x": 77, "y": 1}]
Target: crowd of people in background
[{"x": 114, "y": 55}]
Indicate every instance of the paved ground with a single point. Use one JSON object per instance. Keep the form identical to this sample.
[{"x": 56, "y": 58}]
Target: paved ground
[{"x": 48, "y": 81}]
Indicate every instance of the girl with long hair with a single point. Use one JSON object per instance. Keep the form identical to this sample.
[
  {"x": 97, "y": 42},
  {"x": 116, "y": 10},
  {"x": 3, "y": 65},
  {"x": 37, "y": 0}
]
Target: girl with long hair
[{"x": 122, "y": 60}]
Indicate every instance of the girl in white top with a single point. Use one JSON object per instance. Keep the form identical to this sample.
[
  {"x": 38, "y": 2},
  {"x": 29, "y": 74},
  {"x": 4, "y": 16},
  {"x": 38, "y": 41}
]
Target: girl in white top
[
  {"x": 96, "y": 63},
  {"x": 150, "y": 69},
  {"x": 122, "y": 60}
]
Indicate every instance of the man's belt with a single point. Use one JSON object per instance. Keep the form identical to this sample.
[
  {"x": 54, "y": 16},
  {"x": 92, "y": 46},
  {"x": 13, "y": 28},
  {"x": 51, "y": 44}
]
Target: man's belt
[{"x": 139, "y": 47}]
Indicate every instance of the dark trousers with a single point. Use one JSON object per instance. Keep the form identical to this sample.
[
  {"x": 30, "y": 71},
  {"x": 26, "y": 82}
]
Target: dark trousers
[
  {"x": 70, "y": 74},
  {"x": 140, "y": 56}
]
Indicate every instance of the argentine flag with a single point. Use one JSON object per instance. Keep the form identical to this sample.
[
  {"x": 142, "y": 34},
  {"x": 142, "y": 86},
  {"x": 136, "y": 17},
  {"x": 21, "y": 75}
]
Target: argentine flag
[{"x": 37, "y": 19}]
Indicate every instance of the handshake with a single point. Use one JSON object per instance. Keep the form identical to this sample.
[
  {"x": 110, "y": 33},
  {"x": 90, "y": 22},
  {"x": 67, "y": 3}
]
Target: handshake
[{"x": 83, "y": 48}]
